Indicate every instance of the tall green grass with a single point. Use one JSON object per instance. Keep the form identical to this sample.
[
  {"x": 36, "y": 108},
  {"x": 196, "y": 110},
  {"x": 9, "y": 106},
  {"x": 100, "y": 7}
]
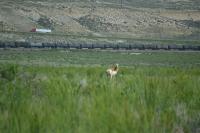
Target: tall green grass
[{"x": 84, "y": 100}]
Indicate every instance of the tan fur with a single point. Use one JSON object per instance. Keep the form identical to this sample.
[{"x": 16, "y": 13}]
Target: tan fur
[{"x": 112, "y": 71}]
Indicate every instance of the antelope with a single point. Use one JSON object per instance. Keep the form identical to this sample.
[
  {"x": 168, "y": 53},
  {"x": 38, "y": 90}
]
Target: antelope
[{"x": 112, "y": 71}]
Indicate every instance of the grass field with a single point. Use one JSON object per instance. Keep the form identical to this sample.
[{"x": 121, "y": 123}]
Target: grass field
[
  {"x": 67, "y": 91},
  {"x": 99, "y": 58}
]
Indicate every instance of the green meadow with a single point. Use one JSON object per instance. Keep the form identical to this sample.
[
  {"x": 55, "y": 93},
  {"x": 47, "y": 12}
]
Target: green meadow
[{"x": 67, "y": 91}]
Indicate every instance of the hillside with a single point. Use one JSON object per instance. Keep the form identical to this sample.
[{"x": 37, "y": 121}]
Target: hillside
[{"x": 155, "y": 19}]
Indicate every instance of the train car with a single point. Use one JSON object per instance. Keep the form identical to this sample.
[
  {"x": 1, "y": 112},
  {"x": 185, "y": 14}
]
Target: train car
[{"x": 36, "y": 45}]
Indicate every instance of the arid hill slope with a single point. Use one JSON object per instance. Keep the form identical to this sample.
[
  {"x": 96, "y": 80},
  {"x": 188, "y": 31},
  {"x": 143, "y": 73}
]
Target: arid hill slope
[{"x": 103, "y": 18}]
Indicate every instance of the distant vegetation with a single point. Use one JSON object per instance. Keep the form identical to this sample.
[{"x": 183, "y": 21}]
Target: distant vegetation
[{"x": 100, "y": 58}]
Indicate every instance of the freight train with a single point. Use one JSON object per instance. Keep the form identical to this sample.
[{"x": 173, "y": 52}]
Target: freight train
[{"x": 125, "y": 46}]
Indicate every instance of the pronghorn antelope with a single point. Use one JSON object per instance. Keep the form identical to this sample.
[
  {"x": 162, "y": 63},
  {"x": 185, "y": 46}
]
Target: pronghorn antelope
[{"x": 112, "y": 71}]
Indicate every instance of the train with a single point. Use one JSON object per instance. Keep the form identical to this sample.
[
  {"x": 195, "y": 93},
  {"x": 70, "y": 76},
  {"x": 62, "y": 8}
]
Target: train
[{"x": 125, "y": 46}]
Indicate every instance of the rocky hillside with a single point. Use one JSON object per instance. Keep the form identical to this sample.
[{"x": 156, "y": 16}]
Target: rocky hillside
[{"x": 160, "y": 19}]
